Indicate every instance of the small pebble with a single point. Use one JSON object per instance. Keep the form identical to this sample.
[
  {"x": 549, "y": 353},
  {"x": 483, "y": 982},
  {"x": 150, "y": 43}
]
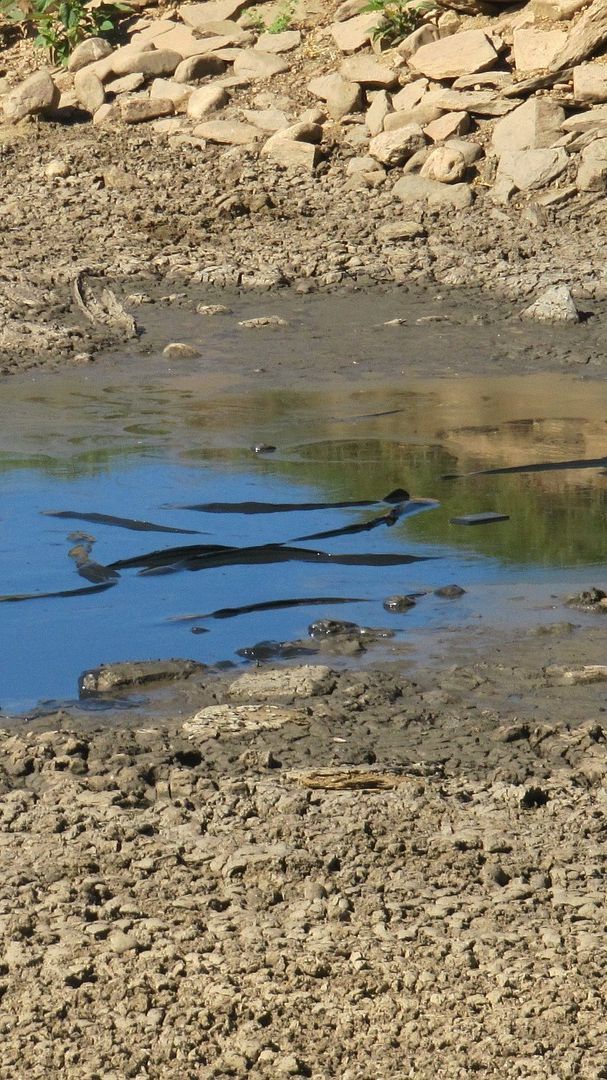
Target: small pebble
[
  {"x": 263, "y": 448},
  {"x": 213, "y": 309},
  {"x": 263, "y": 320},
  {"x": 450, "y": 592},
  {"x": 398, "y": 603},
  {"x": 178, "y": 350},
  {"x": 57, "y": 169}
]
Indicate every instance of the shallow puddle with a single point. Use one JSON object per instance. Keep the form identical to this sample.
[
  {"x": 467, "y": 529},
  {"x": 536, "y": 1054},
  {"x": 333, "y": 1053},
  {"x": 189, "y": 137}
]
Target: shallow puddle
[{"x": 143, "y": 446}]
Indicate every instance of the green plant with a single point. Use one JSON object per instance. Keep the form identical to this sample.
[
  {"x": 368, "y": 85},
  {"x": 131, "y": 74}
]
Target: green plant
[
  {"x": 61, "y": 24},
  {"x": 278, "y": 24},
  {"x": 399, "y": 18}
]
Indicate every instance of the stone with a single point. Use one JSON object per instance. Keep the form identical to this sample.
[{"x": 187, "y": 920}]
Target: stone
[
  {"x": 291, "y": 153},
  {"x": 413, "y": 42},
  {"x": 395, "y": 147},
  {"x": 555, "y": 10},
  {"x": 126, "y": 84},
  {"x": 419, "y": 189},
  {"x": 532, "y": 126},
  {"x": 534, "y": 48},
  {"x": 267, "y": 119},
  {"x": 279, "y": 43},
  {"x": 140, "y": 110},
  {"x": 555, "y": 304},
  {"x": 218, "y": 720},
  {"x": 592, "y": 170},
  {"x": 497, "y": 80},
  {"x": 181, "y": 40},
  {"x": 478, "y": 102},
  {"x": 179, "y": 350},
  {"x": 199, "y": 67},
  {"x": 206, "y": 100},
  {"x": 200, "y": 16},
  {"x": 590, "y": 82},
  {"x": 460, "y": 54},
  {"x": 587, "y": 121},
  {"x": 400, "y": 230},
  {"x": 410, "y": 95},
  {"x": 354, "y": 34},
  {"x": 119, "y": 942},
  {"x": 453, "y": 123},
  {"x": 445, "y": 165},
  {"x": 298, "y": 682},
  {"x": 87, "y": 52},
  {"x": 529, "y": 169},
  {"x": 57, "y": 169},
  {"x": 89, "y": 90},
  {"x": 470, "y": 151},
  {"x": 228, "y": 132},
  {"x": 341, "y": 95},
  {"x": 300, "y": 132},
  {"x": 110, "y": 677},
  {"x": 259, "y": 65},
  {"x": 421, "y": 114},
  {"x": 349, "y": 8},
  {"x": 167, "y": 90},
  {"x": 361, "y": 165},
  {"x": 154, "y": 63},
  {"x": 366, "y": 71},
  {"x": 106, "y": 114},
  {"x": 377, "y": 112},
  {"x": 38, "y": 94}
]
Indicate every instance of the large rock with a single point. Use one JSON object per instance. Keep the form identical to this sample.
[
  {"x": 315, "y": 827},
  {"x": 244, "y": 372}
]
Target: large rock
[
  {"x": 421, "y": 114},
  {"x": 534, "y": 49},
  {"x": 38, "y": 94},
  {"x": 409, "y": 96},
  {"x": 228, "y": 132},
  {"x": 87, "y": 52},
  {"x": 447, "y": 126},
  {"x": 184, "y": 42},
  {"x": 460, "y": 54},
  {"x": 154, "y": 63},
  {"x": 303, "y": 131},
  {"x": 592, "y": 171},
  {"x": 556, "y": 304},
  {"x": 291, "y": 153},
  {"x": 206, "y": 100},
  {"x": 167, "y": 90},
  {"x": 200, "y": 16},
  {"x": 89, "y": 90},
  {"x": 199, "y": 67},
  {"x": 342, "y": 97},
  {"x": 590, "y": 82},
  {"x": 270, "y": 120},
  {"x": 529, "y": 169},
  {"x": 420, "y": 189},
  {"x": 259, "y": 65},
  {"x": 377, "y": 113},
  {"x": 279, "y": 43},
  {"x": 366, "y": 71},
  {"x": 424, "y": 35},
  {"x": 586, "y": 121},
  {"x": 140, "y": 110},
  {"x": 534, "y": 125},
  {"x": 445, "y": 165},
  {"x": 396, "y": 147},
  {"x": 353, "y": 34},
  {"x": 296, "y": 682}
]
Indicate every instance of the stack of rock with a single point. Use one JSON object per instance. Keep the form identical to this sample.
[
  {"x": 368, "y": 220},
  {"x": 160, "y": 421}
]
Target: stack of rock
[{"x": 494, "y": 105}]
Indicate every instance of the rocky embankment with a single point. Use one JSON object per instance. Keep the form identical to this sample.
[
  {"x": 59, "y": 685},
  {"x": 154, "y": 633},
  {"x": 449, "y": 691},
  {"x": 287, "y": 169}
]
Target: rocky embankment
[
  {"x": 312, "y": 874},
  {"x": 208, "y": 149}
]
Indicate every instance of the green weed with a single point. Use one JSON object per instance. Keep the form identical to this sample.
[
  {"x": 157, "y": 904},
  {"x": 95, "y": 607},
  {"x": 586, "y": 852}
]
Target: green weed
[
  {"x": 60, "y": 25},
  {"x": 399, "y": 19},
  {"x": 281, "y": 22}
]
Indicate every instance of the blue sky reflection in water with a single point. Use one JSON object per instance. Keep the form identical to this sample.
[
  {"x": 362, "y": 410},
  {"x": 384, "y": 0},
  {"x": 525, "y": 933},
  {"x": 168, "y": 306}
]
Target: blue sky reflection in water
[{"x": 131, "y": 464}]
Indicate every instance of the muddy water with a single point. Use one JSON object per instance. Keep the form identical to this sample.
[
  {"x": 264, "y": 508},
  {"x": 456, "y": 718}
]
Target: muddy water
[{"x": 144, "y": 443}]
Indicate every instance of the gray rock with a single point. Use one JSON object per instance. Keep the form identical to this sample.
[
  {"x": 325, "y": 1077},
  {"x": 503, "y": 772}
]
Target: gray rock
[
  {"x": 279, "y": 43},
  {"x": 400, "y": 230},
  {"x": 352, "y": 34},
  {"x": 291, "y": 153},
  {"x": 168, "y": 90},
  {"x": 297, "y": 682},
  {"x": 590, "y": 82},
  {"x": 179, "y": 350},
  {"x": 140, "y": 110},
  {"x": 89, "y": 90},
  {"x": 534, "y": 125},
  {"x": 592, "y": 170},
  {"x": 445, "y": 165},
  {"x": 414, "y": 189},
  {"x": 395, "y": 147},
  {"x": 377, "y": 113},
  {"x": 110, "y": 677},
  {"x": 206, "y": 100},
  {"x": 341, "y": 95},
  {"x": 228, "y": 132},
  {"x": 459, "y": 54},
  {"x": 529, "y": 169},
  {"x": 199, "y": 67},
  {"x": 38, "y": 94},
  {"x": 255, "y": 64},
  {"x": 366, "y": 71},
  {"x": 154, "y": 63},
  {"x": 555, "y": 304}
]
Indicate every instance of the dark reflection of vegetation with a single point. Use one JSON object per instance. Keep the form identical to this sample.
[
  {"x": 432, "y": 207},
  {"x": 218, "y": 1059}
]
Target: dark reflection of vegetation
[{"x": 555, "y": 519}]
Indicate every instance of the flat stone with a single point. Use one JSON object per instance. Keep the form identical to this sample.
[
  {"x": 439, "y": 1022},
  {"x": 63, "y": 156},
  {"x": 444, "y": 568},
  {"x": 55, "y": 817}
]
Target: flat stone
[
  {"x": 259, "y": 65},
  {"x": 477, "y": 102},
  {"x": 459, "y": 54},
  {"x": 140, "y": 110},
  {"x": 167, "y": 90},
  {"x": 445, "y": 165},
  {"x": 349, "y": 8},
  {"x": 418, "y": 189},
  {"x": 341, "y": 95},
  {"x": 377, "y": 112},
  {"x": 529, "y": 169},
  {"x": 471, "y": 151},
  {"x": 302, "y": 131},
  {"x": 400, "y": 230},
  {"x": 535, "y": 49},
  {"x": 218, "y": 720},
  {"x": 87, "y": 52},
  {"x": 199, "y": 67},
  {"x": 361, "y": 165},
  {"x": 410, "y": 95},
  {"x": 413, "y": 42},
  {"x": 228, "y": 132},
  {"x": 555, "y": 304},
  {"x": 532, "y": 126},
  {"x": 181, "y": 40},
  {"x": 180, "y": 350},
  {"x": 202, "y": 15},
  {"x": 354, "y": 34},
  {"x": 154, "y": 63},
  {"x": 126, "y": 84},
  {"x": 298, "y": 682},
  {"x": 109, "y": 677},
  {"x": 279, "y": 43},
  {"x": 421, "y": 114},
  {"x": 592, "y": 170},
  {"x": 291, "y": 153},
  {"x": 38, "y": 94},
  {"x": 453, "y": 123},
  {"x": 366, "y": 71},
  {"x": 395, "y": 147},
  {"x": 555, "y": 10},
  {"x": 267, "y": 119},
  {"x": 497, "y": 80},
  {"x": 586, "y": 121},
  {"x": 89, "y": 90},
  {"x": 590, "y": 82}
]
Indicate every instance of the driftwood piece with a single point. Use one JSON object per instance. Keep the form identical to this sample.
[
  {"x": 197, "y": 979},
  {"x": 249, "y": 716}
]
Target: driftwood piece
[
  {"x": 103, "y": 309},
  {"x": 585, "y": 38},
  {"x": 536, "y": 82}
]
